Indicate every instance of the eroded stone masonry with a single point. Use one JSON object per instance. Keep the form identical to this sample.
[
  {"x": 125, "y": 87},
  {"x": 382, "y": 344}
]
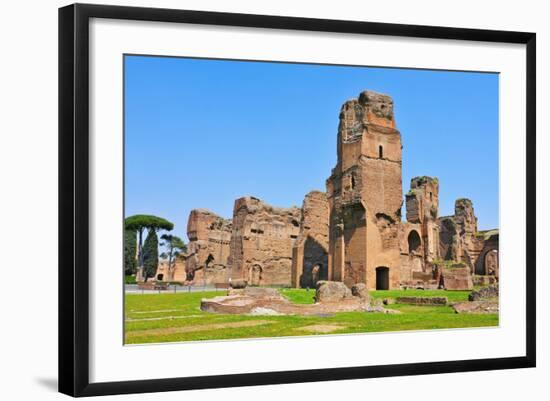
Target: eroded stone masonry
[
  {"x": 261, "y": 242},
  {"x": 208, "y": 249},
  {"x": 354, "y": 232}
]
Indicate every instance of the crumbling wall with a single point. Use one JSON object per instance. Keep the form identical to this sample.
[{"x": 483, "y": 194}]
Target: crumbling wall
[
  {"x": 261, "y": 242},
  {"x": 461, "y": 242},
  {"x": 422, "y": 204},
  {"x": 310, "y": 251},
  {"x": 208, "y": 249},
  {"x": 458, "y": 241},
  {"x": 456, "y": 277},
  {"x": 412, "y": 252},
  {"x": 419, "y": 236},
  {"x": 487, "y": 262},
  {"x": 163, "y": 272},
  {"x": 175, "y": 273}
]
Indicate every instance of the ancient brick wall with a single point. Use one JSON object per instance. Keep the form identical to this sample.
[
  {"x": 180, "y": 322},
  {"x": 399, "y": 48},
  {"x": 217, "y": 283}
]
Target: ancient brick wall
[
  {"x": 262, "y": 241},
  {"x": 457, "y": 277},
  {"x": 422, "y": 202},
  {"x": 412, "y": 250},
  {"x": 460, "y": 241},
  {"x": 487, "y": 262},
  {"x": 208, "y": 249},
  {"x": 419, "y": 237},
  {"x": 163, "y": 272},
  {"x": 174, "y": 273},
  {"x": 310, "y": 251}
]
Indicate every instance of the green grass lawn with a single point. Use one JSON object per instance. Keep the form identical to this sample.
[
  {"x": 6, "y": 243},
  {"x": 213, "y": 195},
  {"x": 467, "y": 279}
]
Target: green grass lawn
[{"x": 154, "y": 318}]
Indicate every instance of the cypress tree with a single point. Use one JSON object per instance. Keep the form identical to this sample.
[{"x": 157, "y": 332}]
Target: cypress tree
[
  {"x": 150, "y": 254},
  {"x": 130, "y": 245},
  {"x": 141, "y": 222}
]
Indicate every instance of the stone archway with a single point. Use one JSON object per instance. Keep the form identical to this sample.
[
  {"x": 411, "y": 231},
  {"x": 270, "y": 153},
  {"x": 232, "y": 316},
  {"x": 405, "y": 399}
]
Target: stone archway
[
  {"x": 414, "y": 242},
  {"x": 207, "y": 264},
  {"x": 382, "y": 278},
  {"x": 313, "y": 273},
  {"x": 490, "y": 263}
]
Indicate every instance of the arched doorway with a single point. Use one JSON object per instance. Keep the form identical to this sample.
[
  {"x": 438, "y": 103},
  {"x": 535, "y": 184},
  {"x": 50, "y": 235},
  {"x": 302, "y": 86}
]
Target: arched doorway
[
  {"x": 414, "y": 242},
  {"x": 255, "y": 275},
  {"x": 491, "y": 263},
  {"x": 207, "y": 265},
  {"x": 382, "y": 278}
]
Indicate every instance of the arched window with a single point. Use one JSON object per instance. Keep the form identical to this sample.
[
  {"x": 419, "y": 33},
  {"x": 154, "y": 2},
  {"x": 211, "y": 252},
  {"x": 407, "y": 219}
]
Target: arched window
[
  {"x": 414, "y": 242},
  {"x": 380, "y": 152},
  {"x": 352, "y": 181}
]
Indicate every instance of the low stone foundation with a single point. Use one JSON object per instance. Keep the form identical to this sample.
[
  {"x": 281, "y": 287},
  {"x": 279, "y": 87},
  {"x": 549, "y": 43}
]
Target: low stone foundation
[
  {"x": 457, "y": 278},
  {"x": 490, "y": 292},
  {"x": 476, "y": 307},
  {"x": 419, "y": 285},
  {"x": 422, "y": 301},
  {"x": 481, "y": 281},
  {"x": 268, "y": 301}
]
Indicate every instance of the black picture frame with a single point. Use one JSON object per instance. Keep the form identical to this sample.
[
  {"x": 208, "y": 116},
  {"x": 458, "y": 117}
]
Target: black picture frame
[{"x": 74, "y": 198}]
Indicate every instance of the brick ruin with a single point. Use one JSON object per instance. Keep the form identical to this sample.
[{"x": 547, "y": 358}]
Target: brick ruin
[
  {"x": 261, "y": 242},
  {"x": 353, "y": 232},
  {"x": 208, "y": 249},
  {"x": 464, "y": 243},
  {"x": 310, "y": 250},
  {"x": 365, "y": 195},
  {"x": 420, "y": 234}
]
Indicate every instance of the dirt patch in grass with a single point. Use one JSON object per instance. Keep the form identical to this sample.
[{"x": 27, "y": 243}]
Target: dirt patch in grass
[
  {"x": 321, "y": 328},
  {"x": 149, "y": 319},
  {"x": 201, "y": 327}
]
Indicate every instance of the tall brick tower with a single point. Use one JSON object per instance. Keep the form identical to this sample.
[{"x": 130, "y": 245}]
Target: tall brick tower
[{"x": 365, "y": 195}]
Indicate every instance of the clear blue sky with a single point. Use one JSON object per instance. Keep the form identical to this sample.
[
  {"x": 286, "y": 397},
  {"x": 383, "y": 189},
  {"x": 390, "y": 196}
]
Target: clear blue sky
[{"x": 201, "y": 133}]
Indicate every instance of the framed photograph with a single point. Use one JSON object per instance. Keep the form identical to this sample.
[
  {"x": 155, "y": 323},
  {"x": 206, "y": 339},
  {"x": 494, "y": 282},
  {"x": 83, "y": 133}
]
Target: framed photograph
[{"x": 252, "y": 199}]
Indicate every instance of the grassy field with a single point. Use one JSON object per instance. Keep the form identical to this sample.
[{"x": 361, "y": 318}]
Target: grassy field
[{"x": 158, "y": 318}]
